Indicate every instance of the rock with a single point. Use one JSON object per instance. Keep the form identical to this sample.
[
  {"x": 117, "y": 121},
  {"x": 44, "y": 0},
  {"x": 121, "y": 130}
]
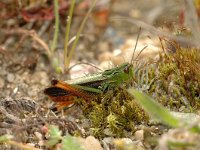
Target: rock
[
  {"x": 10, "y": 77},
  {"x": 106, "y": 56},
  {"x": 108, "y": 132},
  {"x": 126, "y": 143},
  {"x": 40, "y": 77},
  {"x": 19, "y": 105},
  {"x": 90, "y": 143},
  {"x": 103, "y": 46},
  {"x": 108, "y": 142},
  {"x": 139, "y": 135},
  {"x": 3, "y": 72}
]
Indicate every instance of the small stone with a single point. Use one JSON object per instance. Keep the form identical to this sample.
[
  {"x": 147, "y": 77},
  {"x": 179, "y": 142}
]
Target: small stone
[
  {"x": 10, "y": 77},
  {"x": 107, "y": 132},
  {"x": 85, "y": 123},
  {"x": 108, "y": 142},
  {"x": 90, "y": 143},
  {"x": 3, "y": 72},
  {"x": 2, "y": 82},
  {"x": 40, "y": 77},
  {"x": 38, "y": 135},
  {"x": 33, "y": 92},
  {"x": 139, "y": 135},
  {"x": 103, "y": 46},
  {"x": 106, "y": 56}
]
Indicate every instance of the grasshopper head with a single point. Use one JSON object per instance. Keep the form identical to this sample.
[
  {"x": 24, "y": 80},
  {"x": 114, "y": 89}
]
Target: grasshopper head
[
  {"x": 124, "y": 73},
  {"x": 128, "y": 69}
]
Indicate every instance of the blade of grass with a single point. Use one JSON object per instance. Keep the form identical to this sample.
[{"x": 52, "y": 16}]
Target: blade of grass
[
  {"x": 177, "y": 145},
  {"x": 68, "y": 59},
  {"x": 154, "y": 109},
  {"x": 55, "y": 38},
  {"x": 69, "y": 20}
]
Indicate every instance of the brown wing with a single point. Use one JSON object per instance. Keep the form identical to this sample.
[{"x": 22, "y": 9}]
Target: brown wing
[
  {"x": 64, "y": 93},
  {"x": 70, "y": 89}
]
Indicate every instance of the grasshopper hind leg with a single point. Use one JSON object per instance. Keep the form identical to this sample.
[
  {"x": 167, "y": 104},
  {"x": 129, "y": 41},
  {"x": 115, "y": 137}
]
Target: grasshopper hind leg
[{"x": 62, "y": 106}]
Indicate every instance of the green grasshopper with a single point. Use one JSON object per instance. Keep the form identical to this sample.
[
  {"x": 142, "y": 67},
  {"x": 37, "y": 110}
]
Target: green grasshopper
[{"x": 90, "y": 86}]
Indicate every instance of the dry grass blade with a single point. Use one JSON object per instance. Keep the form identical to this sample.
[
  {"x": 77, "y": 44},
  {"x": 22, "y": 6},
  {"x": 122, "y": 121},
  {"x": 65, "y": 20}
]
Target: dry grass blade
[
  {"x": 32, "y": 34},
  {"x": 21, "y": 146},
  {"x": 12, "y": 117}
]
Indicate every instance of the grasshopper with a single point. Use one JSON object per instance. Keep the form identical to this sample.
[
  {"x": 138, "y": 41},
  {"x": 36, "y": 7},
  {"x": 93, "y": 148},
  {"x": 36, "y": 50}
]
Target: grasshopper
[{"x": 88, "y": 87}]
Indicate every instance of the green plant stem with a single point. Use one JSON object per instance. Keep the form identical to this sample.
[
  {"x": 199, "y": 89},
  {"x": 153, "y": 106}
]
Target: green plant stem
[
  {"x": 69, "y": 20},
  {"x": 55, "y": 38},
  {"x": 77, "y": 36}
]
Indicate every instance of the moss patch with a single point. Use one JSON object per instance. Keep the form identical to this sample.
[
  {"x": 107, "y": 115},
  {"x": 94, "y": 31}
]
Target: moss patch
[
  {"x": 177, "y": 84},
  {"x": 114, "y": 113}
]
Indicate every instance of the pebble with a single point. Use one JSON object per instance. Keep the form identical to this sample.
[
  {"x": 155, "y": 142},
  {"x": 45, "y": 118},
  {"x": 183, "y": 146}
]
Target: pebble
[
  {"x": 108, "y": 142},
  {"x": 139, "y": 135},
  {"x": 10, "y": 77},
  {"x": 3, "y": 72},
  {"x": 2, "y": 82},
  {"x": 38, "y": 135},
  {"x": 106, "y": 56},
  {"x": 103, "y": 46},
  {"x": 40, "y": 77},
  {"x": 33, "y": 92},
  {"x": 107, "y": 132},
  {"x": 90, "y": 143}
]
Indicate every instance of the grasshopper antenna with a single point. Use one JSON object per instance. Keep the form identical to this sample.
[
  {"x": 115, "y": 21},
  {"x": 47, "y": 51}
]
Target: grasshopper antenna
[
  {"x": 141, "y": 52},
  {"x": 135, "y": 45}
]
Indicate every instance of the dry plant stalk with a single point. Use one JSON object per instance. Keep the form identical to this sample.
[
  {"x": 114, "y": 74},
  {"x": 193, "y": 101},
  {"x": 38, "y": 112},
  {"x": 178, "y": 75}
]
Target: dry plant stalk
[{"x": 30, "y": 33}]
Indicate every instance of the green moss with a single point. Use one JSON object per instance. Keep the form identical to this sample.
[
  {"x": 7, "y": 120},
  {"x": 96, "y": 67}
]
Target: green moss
[
  {"x": 97, "y": 116},
  {"x": 114, "y": 112},
  {"x": 166, "y": 69},
  {"x": 177, "y": 81}
]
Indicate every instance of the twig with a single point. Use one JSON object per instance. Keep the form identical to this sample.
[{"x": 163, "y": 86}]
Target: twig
[
  {"x": 20, "y": 145},
  {"x": 13, "y": 118},
  {"x": 30, "y": 33}
]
